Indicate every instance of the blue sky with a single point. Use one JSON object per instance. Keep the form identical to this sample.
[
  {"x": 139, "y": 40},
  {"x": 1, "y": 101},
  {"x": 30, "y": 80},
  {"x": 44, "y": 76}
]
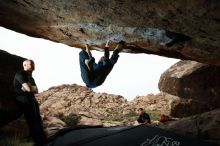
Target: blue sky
[{"x": 56, "y": 64}]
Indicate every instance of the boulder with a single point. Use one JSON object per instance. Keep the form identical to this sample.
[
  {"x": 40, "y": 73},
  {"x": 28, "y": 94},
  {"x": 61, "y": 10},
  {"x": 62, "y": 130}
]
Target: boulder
[
  {"x": 66, "y": 99},
  {"x": 90, "y": 121},
  {"x": 203, "y": 126},
  {"x": 53, "y": 125},
  {"x": 9, "y": 65},
  {"x": 195, "y": 85},
  {"x": 151, "y": 102},
  {"x": 172, "y": 28}
]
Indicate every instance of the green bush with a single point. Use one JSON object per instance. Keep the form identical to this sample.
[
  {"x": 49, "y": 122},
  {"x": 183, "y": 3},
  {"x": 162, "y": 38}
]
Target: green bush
[
  {"x": 71, "y": 119},
  {"x": 115, "y": 116},
  {"x": 132, "y": 116},
  {"x": 155, "y": 115}
]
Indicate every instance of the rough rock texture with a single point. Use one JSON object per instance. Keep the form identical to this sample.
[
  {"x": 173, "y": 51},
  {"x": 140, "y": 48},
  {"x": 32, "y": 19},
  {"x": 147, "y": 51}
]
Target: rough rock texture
[
  {"x": 102, "y": 109},
  {"x": 150, "y": 102},
  {"x": 52, "y": 125},
  {"x": 17, "y": 128},
  {"x": 63, "y": 100},
  {"x": 204, "y": 126},
  {"x": 97, "y": 108},
  {"x": 174, "y": 28},
  {"x": 197, "y": 85},
  {"x": 9, "y": 65}
]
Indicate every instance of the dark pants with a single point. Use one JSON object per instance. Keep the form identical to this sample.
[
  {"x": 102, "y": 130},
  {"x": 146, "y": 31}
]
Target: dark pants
[
  {"x": 113, "y": 58},
  {"x": 97, "y": 74},
  {"x": 31, "y": 112}
]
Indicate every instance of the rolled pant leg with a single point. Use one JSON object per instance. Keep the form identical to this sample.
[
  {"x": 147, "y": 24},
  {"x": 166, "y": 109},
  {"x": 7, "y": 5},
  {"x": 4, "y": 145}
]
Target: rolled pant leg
[
  {"x": 114, "y": 57},
  {"x": 106, "y": 53}
]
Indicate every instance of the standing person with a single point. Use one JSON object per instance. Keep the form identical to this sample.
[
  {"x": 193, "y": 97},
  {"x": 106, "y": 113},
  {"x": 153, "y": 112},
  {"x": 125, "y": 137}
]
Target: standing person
[
  {"x": 143, "y": 118},
  {"x": 94, "y": 74},
  {"x": 25, "y": 88}
]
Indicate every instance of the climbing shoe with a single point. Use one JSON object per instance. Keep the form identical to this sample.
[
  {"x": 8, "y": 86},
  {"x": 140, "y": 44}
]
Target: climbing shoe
[{"x": 119, "y": 46}]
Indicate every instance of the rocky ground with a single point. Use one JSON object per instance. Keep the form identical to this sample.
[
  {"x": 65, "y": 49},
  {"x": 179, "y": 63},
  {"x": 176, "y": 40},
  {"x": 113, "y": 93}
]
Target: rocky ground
[
  {"x": 186, "y": 93},
  {"x": 66, "y": 99},
  {"x": 68, "y": 105},
  {"x": 177, "y": 29}
]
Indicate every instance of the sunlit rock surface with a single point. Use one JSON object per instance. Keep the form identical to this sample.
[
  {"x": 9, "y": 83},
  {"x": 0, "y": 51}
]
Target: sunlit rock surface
[
  {"x": 195, "y": 85},
  {"x": 113, "y": 110},
  {"x": 66, "y": 99},
  {"x": 172, "y": 28}
]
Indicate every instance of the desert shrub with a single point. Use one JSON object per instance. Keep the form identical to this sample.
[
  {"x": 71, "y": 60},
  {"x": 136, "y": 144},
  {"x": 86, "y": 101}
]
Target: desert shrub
[
  {"x": 116, "y": 116},
  {"x": 10, "y": 141},
  {"x": 155, "y": 115},
  {"x": 131, "y": 116},
  {"x": 71, "y": 119}
]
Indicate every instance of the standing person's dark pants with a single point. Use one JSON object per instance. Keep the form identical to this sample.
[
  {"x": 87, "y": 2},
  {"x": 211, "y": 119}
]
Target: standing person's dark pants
[{"x": 30, "y": 108}]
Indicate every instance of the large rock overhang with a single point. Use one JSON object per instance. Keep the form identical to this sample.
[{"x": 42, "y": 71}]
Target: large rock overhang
[{"x": 178, "y": 29}]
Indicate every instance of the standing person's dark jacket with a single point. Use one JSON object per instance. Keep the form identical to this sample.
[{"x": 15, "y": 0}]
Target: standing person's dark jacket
[{"x": 20, "y": 78}]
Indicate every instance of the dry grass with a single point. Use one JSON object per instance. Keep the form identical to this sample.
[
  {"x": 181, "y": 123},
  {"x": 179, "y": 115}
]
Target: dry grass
[
  {"x": 132, "y": 116},
  {"x": 13, "y": 141}
]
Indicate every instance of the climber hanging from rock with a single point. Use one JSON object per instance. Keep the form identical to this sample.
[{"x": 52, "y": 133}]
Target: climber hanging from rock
[{"x": 92, "y": 73}]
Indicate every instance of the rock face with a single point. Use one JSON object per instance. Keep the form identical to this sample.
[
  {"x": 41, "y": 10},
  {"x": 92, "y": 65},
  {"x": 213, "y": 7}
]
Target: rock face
[
  {"x": 151, "y": 102},
  {"x": 174, "y": 28},
  {"x": 52, "y": 125},
  {"x": 9, "y": 65},
  {"x": 97, "y": 108},
  {"x": 66, "y": 99},
  {"x": 197, "y": 85},
  {"x": 103, "y": 109},
  {"x": 204, "y": 126},
  {"x": 92, "y": 108}
]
